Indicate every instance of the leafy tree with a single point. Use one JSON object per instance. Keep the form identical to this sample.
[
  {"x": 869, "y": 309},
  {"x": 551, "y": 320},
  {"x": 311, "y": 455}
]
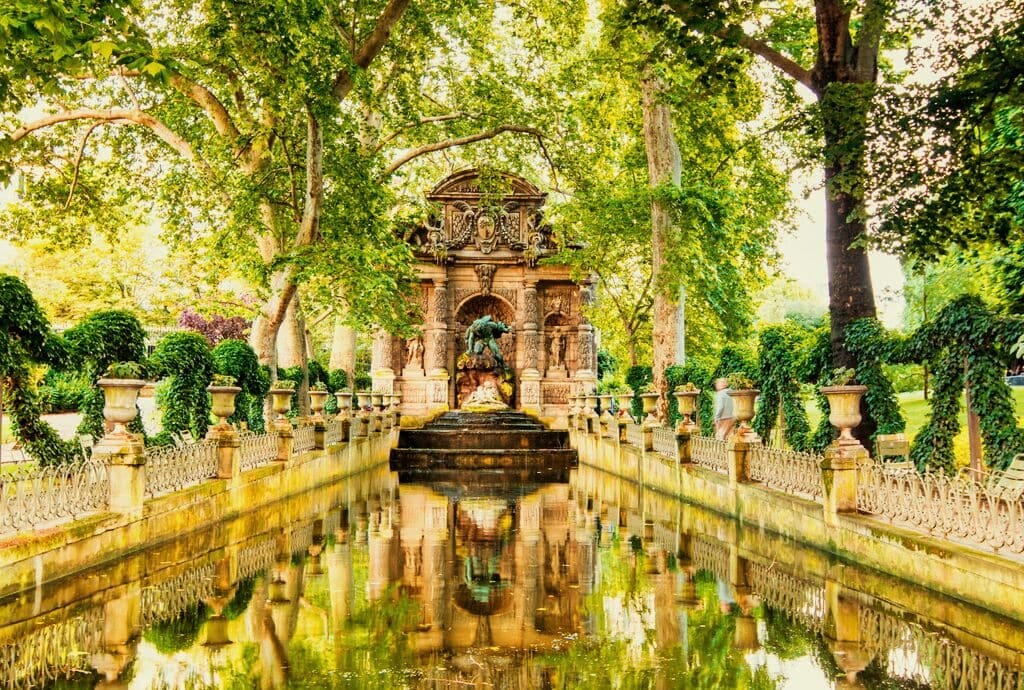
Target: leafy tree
[{"x": 215, "y": 329}]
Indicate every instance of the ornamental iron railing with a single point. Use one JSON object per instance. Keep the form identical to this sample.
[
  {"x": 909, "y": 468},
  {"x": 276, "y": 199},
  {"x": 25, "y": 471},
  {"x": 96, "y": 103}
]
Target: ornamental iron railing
[
  {"x": 635, "y": 435},
  {"x": 256, "y": 556},
  {"x": 948, "y": 507},
  {"x": 711, "y": 555},
  {"x": 167, "y": 600},
  {"x": 52, "y": 653},
  {"x": 909, "y": 652},
  {"x": 257, "y": 449},
  {"x": 788, "y": 471},
  {"x": 710, "y": 453},
  {"x": 799, "y": 599},
  {"x": 30, "y": 496},
  {"x": 333, "y": 432},
  {"x": 665, "y": 442},
  {"x": 304, "y": 439},
  {"x": 173, "y": 468}
]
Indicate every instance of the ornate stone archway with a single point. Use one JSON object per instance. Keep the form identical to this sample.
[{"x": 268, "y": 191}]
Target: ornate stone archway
[{"x": 480, "y": 254}]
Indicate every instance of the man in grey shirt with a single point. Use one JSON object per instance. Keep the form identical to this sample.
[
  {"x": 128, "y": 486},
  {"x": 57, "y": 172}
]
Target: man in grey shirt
[{"x": 725, "y": 418}]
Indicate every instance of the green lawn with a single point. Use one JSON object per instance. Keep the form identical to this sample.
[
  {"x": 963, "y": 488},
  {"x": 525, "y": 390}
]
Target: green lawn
[{"x": 915, "y": 410}]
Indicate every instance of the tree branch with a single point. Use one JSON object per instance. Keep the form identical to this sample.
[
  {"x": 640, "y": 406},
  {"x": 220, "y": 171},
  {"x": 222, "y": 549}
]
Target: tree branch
[
  {"x": 314, "y": 182},
  {"x": 78, "y": 164},
  {"x": 758, "y": 47},
  {"x": 205, "y": 99},
  {"x": 371, "y": 47},
  {"x": 412, "y": 125},
  {"x": 459, "y": 141},
  {"x": 120, "y": 116}
]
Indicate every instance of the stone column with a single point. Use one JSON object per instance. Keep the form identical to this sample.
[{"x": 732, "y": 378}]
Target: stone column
[
  {"x": 529, "y": 386},
  {"x": 437, "y": 384},
  {"x": 126, "y": 466},
  {"x": 229, "y": 454},
  {"x": 586, "y": 357},
  {"x": 382, "y": 368},
  {"x": 121, "y": 626}
]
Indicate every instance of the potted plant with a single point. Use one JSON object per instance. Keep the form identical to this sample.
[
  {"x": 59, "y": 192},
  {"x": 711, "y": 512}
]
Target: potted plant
[
  {"x": 281, "y": 397},
  {"x": 222, "y": 391},
  {"x": 686, "y": 397},
  {"x": 317, "y": 398},
  {"x": 121, "y": 384},
  {"x": 649, "y": 398},
  {"x": 844, "y": 396},
  {"x": 743, "y": 394}
]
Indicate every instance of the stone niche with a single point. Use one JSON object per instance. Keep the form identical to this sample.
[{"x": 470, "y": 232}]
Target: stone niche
[{"x": 478, "y": 255}]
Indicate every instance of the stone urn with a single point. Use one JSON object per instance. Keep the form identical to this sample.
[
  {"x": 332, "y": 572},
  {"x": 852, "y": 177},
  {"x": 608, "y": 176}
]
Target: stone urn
[
  {"x": 365, "y": 399},
  {"x": 687, "y": 401},
  {"x": 625, "y": 406},
  {"x": 223, "y": 399},
  {"x": 217, "y": 631},
  {"x": 606, "y": 408},
  {"x": 574, "y": 406},
  {"x": 844, "y": 410},
  {"x": 650, "y": 402},
  {"x": 119, "y": 398},
  {"x": 743, "y": 407},
  {"x": 281, "y": 401},
  {"x": 317, "y": 400},
  {"x": 377, "y": 401},
  {"x": 344, "y": 399},
  {"x": 590, "y": 404}
]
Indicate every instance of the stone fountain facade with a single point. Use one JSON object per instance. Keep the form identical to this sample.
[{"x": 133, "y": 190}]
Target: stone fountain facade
[{"x": 480, "y": 256}]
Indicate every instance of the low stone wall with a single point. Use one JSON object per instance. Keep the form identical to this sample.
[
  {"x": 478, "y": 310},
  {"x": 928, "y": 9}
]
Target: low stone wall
[
  {"x": 33, "y": 557},
  {"x": 991, "y": 580}
]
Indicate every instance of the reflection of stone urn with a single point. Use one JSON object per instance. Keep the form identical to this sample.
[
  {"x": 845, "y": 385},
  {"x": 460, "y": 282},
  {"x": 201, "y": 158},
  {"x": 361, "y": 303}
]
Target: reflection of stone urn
[
  {"x": 650, "y": 402},
  {"x": 844, "y": 410},
  {"x": 119, "y": 396},
  {"x": 743, "y": 407},
  {"x": 687, "y": 401},
  {"x": 223, "y": 398}
]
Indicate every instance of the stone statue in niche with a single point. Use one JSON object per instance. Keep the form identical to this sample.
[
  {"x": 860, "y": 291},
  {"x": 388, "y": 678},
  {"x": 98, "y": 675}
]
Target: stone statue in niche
[
  {"x": 414, "y": 354},
  {"x": 556, "y": 354},
  {"x": 483, "y": 335}
]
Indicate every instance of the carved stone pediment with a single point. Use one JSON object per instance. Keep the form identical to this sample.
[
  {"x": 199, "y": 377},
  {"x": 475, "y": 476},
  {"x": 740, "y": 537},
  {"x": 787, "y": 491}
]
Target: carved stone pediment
[{"x": 504, "y": 220}]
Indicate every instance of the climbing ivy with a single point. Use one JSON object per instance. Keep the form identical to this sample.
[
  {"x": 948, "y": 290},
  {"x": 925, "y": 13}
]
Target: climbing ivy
[
  {"x": 778, "y": 350},
  {"x": 186, "y": 359},
  {"x": 637, "y": 377},
  {"x": 26, "y": 341},
  {"x": 235, "y": 358},
  {"x": 96, "y": 342},
  {"x": 871, "y": 346}
]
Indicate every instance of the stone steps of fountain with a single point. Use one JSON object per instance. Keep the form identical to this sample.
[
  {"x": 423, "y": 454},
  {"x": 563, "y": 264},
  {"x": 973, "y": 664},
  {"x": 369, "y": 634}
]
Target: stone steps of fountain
[{"x": 489, "y": 445}]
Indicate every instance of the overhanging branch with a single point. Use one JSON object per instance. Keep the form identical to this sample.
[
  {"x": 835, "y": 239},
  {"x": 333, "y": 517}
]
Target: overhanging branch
[{"x": 458, "y": 141}]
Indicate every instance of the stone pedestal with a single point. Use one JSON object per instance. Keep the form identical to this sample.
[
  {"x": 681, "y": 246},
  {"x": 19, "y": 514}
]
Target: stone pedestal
[
  {"x": 126, "y": 460},
  {"x": 529, "y": 391},
  {"x": 839, "y": 475}
]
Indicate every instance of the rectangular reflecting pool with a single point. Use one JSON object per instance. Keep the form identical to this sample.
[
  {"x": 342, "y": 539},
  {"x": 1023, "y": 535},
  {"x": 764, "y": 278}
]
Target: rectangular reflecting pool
[{"x": 589, "y": 583}]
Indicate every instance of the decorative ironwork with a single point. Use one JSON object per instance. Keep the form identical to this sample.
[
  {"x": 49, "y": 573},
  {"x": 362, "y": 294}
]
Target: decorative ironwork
[
  {"x": 333, "y": 432},
  {"x": 711, "y": 555},
  {"x": 665, "y": 442},
  {"x": 173, "y": 468},
  {"x": 948, "y": 507},
  {"x": 168, "y": 599},
  {"x": 257, "y": 556},
  {"x": 302, "y": 538},
  {"x": 258, "y": 449},
  {"x": 786, "y": 470},
  {"x": 304, "y": 440},
  {"x": 908, "y": 651},
  {"x": 53, "y": 652},
  {"x": 799, "y": 599},
  {"x": 635, "y": 435},
  {"x": 710, "y": 453},
  {"x": 31, "y": 496}
]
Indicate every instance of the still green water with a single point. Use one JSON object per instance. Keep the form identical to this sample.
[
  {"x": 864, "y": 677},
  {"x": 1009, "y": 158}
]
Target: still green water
[{"x": 586, "y": 584}]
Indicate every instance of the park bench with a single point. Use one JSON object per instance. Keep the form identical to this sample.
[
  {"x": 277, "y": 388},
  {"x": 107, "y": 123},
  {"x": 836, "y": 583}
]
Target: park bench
[{"x": 1007, "y": 484}]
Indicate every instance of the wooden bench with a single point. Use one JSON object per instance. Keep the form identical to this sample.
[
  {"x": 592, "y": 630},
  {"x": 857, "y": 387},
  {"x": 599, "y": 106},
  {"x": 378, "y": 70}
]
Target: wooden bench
[
  {"x": 1007, "y": 484},
  {"x": 894, "y": 446}
]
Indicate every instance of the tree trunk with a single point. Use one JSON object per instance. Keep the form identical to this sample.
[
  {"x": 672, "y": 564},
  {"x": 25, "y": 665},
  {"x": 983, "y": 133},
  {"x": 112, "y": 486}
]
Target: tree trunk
[
  {"x": 291, "y": 342},
  {"x": 343, "y": 349},
  {"x": 663, "y": 166}
]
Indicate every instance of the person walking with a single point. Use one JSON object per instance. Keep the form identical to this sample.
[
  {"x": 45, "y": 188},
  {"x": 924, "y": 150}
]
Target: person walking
[{"x": 724, "y": 417}]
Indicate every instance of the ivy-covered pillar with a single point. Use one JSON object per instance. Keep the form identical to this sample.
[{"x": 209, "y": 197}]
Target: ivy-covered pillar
[
  {"x": 529, "y": 385},
  {"x": 437, "y": 384}
]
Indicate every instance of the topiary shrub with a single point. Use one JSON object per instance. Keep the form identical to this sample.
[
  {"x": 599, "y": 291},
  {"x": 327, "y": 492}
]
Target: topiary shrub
[
  {"x": 778, "y": 352},
  {"x": 65, "y": 391},
  {"x": 26, "y": 341},
  {"x": 186, "y": 359},
  {"x": 698, "y": 372},
  {"x": 637, "y": 377},
  {"x": 97, "y": 341},
  {"x": 237, "y": 359}
]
